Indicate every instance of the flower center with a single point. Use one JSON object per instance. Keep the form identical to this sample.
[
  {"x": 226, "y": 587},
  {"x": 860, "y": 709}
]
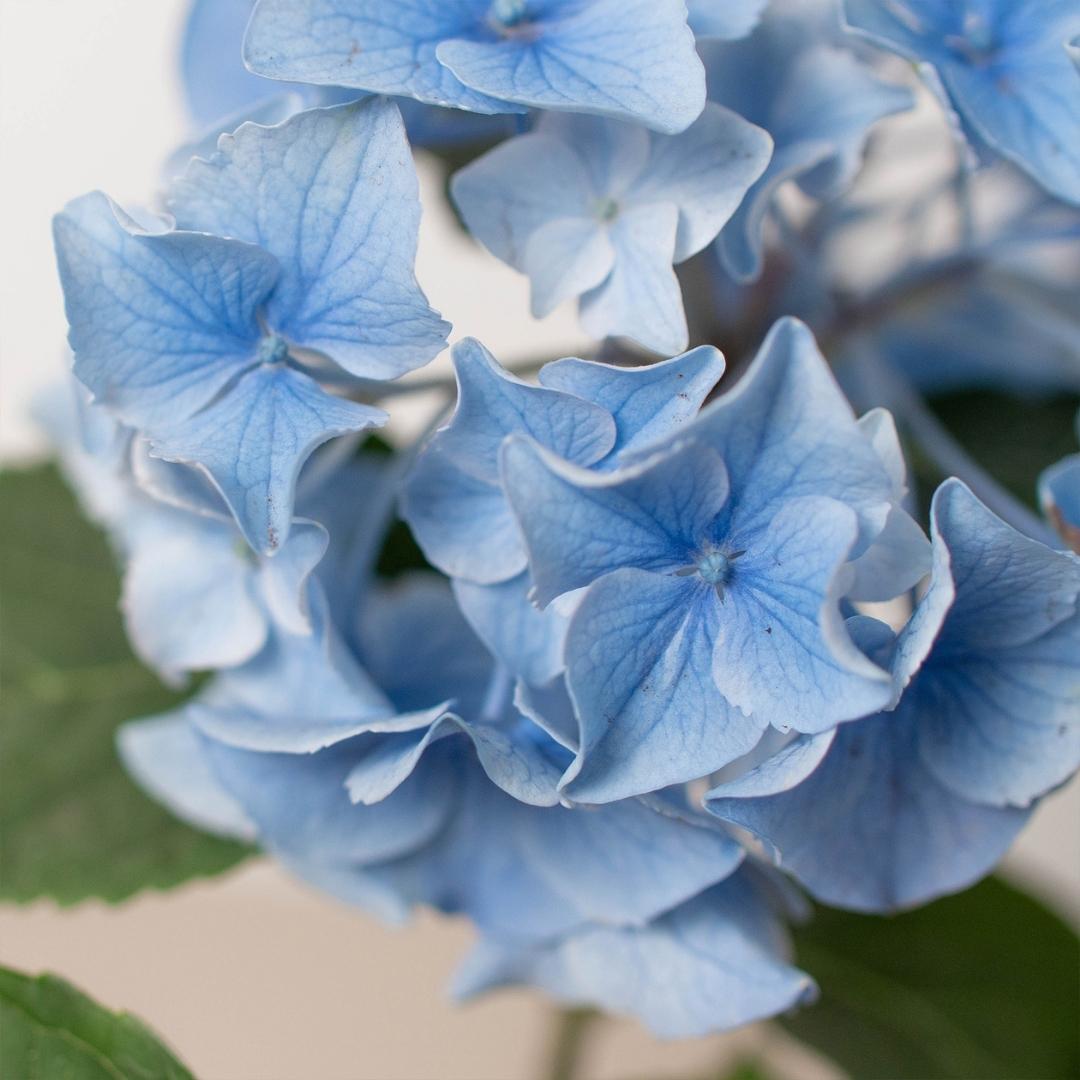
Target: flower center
[
  {"x": 506, "y": 14},
  {"x": 606, "y": 209},
  {"x": 715, "y": 566},
  {"x": 273, "y": 350}
]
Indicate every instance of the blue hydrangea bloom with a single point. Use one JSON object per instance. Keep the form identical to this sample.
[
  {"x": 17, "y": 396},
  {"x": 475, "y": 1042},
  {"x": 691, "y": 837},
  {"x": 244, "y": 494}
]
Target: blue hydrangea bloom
[
  {"x": 1003, "y": 65},
  {"x": 816, "y": 100},
  {"x": 587, "y": 412},
  {"x": 601, "y": 210},
  {"x": 922, "y": 800},
  {"x": 632, "y": 60},
  {"x": 462, "y": 814},
  {"x": 292, "y": 240},
  {"x": 715, "y": 567}
]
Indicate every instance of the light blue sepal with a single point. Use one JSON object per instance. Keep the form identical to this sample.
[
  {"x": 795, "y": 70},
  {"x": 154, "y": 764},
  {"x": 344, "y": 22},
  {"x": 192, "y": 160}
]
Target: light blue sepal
[
  {"x": 710, "y": 964},
  {"x": 252, "y": 441},
  {"x": 164, "y": 755},
  {"x": 524, "y": 638},
  {"x": 361, "y": 48},
  {"x": 332, "y": 194},
  {"x": 161, "y": 322},
  {"x": 648, "y": 403}
]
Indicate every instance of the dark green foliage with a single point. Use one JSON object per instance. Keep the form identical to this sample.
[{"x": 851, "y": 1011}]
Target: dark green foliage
[{"x": 72, "y": 824}]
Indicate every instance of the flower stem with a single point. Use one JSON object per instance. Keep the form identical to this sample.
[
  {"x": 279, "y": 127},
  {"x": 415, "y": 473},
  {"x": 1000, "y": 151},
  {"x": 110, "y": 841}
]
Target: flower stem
[{"x": 568, "y": 1044}]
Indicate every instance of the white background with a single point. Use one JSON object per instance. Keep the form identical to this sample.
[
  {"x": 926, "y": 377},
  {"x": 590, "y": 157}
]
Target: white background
[{"x": 251, "y": 976}]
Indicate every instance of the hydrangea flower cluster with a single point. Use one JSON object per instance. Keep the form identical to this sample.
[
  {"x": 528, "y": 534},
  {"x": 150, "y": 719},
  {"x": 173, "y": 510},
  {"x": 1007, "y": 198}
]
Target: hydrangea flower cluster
[{"x": 635, "y": 703}]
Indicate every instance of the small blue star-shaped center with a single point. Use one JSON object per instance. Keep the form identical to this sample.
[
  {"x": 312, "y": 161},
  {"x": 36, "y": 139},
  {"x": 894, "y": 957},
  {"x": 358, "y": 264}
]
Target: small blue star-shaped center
[
  {"x": 715, "y": 566},
  {"x": 506, "y": 14},
  {"x": 273, "y": 350}
]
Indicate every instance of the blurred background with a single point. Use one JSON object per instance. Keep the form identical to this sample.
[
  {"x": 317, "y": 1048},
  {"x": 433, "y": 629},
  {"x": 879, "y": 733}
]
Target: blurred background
[{"x": 250, "y": 975}]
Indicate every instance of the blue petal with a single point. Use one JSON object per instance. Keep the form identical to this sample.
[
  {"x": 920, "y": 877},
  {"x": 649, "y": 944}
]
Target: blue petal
[
  {"x": 526, "y": 873},
  {"x": 463, "y": 524},
  {"x": 566, "y": 258},
  {"x": 640, "y": 299},
  {"x": 176, "y": 485},
  {"x": 301, "y": 693},
  {"x": 648, "y": 402},
  {"x": 709, "y": 965},
  {"x": 160, "y": 323},
  {"x": 354, "y": 43},
  {"x": 474, "y": 866},
  {"x": 632, "y": 59},
  {"x": 1005, "y": 69},
  {"x": 190, "y": 599},
  {"x": 1000, "y": 690},
  {"x": 253, "y": 440},
  {"x": 165, "y": 757},
  {"x": 900, "y": 556},
  {"x": 285, "y": 577},
  {"x": 706, "y": 170},
  {"x": 1004, "y": 728},
  {"x": 529, "y": 642},
  {"x": 782, "y": 651},
  {"x": 1010, "y": 590},
  {"x": 453, "y": 500},
  {"x": 786, "y": 430},
  {"x": 215, "y": 80},
  {"x": 779, "y": 771},
  {"x": 626, "y": 862},
  {"x": 332, "y": 193},
  {"x": 317, "y": 823},
  {"x": 517, "y": 765},
  {"x": 504, "y": 199},
  {"x": 492, "y": 404},
  {"x": 579, "y": 525},
  {"x": 418, "y": 647},
  {"x": 585, "y": 207},
  {"x": 639, "y": 669},
  {"x": 872, "y": 829}
]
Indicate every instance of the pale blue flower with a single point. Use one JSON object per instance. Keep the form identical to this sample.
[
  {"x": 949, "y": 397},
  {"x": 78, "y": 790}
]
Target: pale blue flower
[
  {"x": 715, "y": 568},
  {"x": 587, "y": 412},
  {"x": 925, "y": 799},
  {"x": 634, "y": 60},
  {"x": 817, "y": 101},
  {"x": 1003, "y": 66},
  {"x": 602, "y": 210},
  {"x": 293, "y": 244}
]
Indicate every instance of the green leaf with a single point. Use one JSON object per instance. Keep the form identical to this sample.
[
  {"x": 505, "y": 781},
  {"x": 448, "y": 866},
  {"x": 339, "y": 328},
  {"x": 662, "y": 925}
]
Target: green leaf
[
  {"x": 1014, "y": 439},
  {"x": 979, "y": 985},
  {"x": 72, "y": 825},
  {"x": 52, "y": 1030}
]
